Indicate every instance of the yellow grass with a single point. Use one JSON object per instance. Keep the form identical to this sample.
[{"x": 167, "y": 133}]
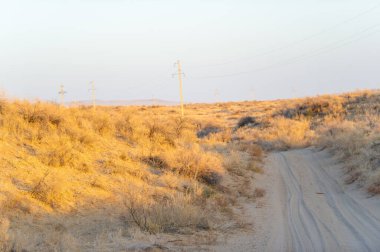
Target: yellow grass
[
  {"x": 78, "y": 177},
  {"x": 57, "y": 161}
]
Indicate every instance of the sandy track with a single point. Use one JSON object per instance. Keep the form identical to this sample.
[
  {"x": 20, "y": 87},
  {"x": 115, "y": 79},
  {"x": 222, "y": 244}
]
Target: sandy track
[
  {"x": 308, "y": 210},
  {"x": 307, "y": 207}
]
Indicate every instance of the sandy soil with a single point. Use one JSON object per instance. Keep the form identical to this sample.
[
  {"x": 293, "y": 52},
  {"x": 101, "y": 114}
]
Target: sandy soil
[{"x": 308, "y": 208}]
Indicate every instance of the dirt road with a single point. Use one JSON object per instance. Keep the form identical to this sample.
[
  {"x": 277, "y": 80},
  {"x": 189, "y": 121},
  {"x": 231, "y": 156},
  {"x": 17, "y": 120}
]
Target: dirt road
[
  {"x": 310, "y": 210},
  {"x": 307, "y": 207}
]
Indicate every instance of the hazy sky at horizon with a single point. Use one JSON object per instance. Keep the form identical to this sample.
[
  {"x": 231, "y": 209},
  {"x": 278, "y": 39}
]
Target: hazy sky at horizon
[{"x": 229, "y": 49}]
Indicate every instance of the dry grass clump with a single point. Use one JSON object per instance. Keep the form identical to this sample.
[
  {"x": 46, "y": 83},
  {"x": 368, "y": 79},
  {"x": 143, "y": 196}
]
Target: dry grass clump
[
  {"x": 281, "y": 134},
  {"x": 222, "y": 137},
  {"x": 236, "y": 162},
  {"x": 207, "y": 130},
  {"x": 244, "y": 121},
  {"x": 357, "y": 143},
  {"x": 254, "y": 150},
  {"x": 171, "y": 215},
  {"x": 61, "y": 164},
  {"x": 58, "y": 160},
  {"x": 241, "y": 157},
  {"x": 259, "y": 193},
  {"x": 315, "y": 108},
  {"x": 192, "y": 161},
  {"x": 50, "y": 190},
  {"x": 4, "y": 237}
]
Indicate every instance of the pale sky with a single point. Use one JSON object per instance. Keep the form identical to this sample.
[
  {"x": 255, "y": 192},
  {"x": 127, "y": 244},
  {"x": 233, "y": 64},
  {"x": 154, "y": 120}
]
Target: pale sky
[{"x": 229, "y": 49}]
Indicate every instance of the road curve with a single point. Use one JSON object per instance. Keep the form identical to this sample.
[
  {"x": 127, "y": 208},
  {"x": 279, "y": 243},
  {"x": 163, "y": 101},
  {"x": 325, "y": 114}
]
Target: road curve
[{"x": 312, "y": 212}]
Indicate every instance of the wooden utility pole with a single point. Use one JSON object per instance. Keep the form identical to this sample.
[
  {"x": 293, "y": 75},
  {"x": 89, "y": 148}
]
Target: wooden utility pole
[
  {"x": 216, "y": 94},
  {"x": 62, "y": 93},
  {"x": 93, "y": 94},
  {"x": 180, "y": 86}
]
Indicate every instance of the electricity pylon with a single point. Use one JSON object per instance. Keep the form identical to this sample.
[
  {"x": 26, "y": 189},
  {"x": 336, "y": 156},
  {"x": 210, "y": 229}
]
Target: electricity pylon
[
  {"x": 93, "y": 94},
  {"x": 62, "y": 93},
  {"x": 216, "y": 94},
  {"x": 180, "y": 74}
]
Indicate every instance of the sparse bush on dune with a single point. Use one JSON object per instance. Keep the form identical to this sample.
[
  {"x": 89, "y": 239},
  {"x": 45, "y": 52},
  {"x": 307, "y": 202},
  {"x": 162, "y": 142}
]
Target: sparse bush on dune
[
  {"x": 60, "y": 160},
  {"x": 242, "y": 157},
  {"x": 315, "y": 108},
  {"x": 41, "y": 113},
  {"x": 251, "y": 148},
  {"x": 247, "y": 121},
  {"x": 51, "y": 190},
  {"x": 169, "y": 215},
  {"x": 3, "y": 104},
  {"x": 357, "y": 144},
  {"x": 63, "y": 163},
  {"x": 190, "y": 160},
  {"x": 259, "y": 193},
  {"x": 4, "y": 237},
  {"x": 347, "y": 124},
  {"x": 235, "y": 162},
  {"x": 281, "y": 134},
  {"x": 207, "y": 130},
  {"x": 223, "y": 136}
]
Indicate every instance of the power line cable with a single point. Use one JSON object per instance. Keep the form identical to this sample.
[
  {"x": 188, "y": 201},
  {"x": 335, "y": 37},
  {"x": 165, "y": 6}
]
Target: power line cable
[
  {"x": 294, "y": 43},
  {"x": 322, "y": 50}
]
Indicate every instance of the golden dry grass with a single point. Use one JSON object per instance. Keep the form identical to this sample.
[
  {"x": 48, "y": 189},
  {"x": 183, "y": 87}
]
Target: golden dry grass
[
  {"x": 57, "y": 161},
  {"x": 79, "y": 177},
  {"x": 357, "y": 142}
]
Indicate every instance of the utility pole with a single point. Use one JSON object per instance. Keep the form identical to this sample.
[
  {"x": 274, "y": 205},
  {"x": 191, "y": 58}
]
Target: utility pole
[
  {"x": 62, "y": 93},
  {"x": 93, "y": 94},
  {"x": 216, "y": 94},
  {"x": 179, "y": 73},
  {"x": 253, "y": 94}
]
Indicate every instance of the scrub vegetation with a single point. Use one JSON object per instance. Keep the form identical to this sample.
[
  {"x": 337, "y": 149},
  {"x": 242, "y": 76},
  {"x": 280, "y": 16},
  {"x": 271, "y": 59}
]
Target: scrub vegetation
[{"x": 75, "y": 178}]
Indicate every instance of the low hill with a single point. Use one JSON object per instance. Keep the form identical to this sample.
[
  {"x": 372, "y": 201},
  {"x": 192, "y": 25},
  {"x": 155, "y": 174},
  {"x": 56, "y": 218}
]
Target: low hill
[
  {"x": 77, "y": 179},
  {"x": 147, "y": 102}
]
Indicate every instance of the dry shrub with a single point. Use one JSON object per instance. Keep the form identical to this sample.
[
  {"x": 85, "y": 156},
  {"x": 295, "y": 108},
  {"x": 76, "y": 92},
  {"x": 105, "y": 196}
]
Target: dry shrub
[
  {"x": 207, "y": 130},
  {"x": 41, "y": 113},
  {"x": 182, "y": 127},
  {"x": 374, "y": 188},
  {"x": 103, "y": 124},
  {"x": 233, "y": 162},
  {"x": 259, "y": 193},
  {"x": 4, "y": 237},
  {"x": 256, "y": 168},
  {"x": 92, "y": 157},
  {"x": 357, "y": 143},
  {"x": 282, "y": 134},
  {"x": 237, "y": 162},
  {"x": 290, "y": 133},
  {"x": 314, "y": 108},
  {"x": 249, "y": 121},
  {"x": 51, "y": 190},
  {"x": 251, "y": 148},
  {"x": 190, "y": 160},
  {"x": 155, "y": 138},
  {"x": 61, "y": 154},
  {"x": 3, "y": 103},
  {"x": 344, "y": 136},
  {"x": 155, "y": 162},
  {"x": 222, "y": 136},
  {"x": 124, "y": 127},
  {"x": 169, "y": 215}
]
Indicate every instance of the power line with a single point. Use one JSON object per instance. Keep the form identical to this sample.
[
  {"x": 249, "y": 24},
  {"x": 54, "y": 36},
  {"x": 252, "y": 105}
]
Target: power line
[
  {"x": 294, "y": 43},
  {"x": 331, "y": 47}
]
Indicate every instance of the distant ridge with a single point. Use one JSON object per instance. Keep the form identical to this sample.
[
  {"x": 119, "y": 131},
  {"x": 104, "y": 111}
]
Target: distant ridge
[{"x": 146, "y": 102}]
